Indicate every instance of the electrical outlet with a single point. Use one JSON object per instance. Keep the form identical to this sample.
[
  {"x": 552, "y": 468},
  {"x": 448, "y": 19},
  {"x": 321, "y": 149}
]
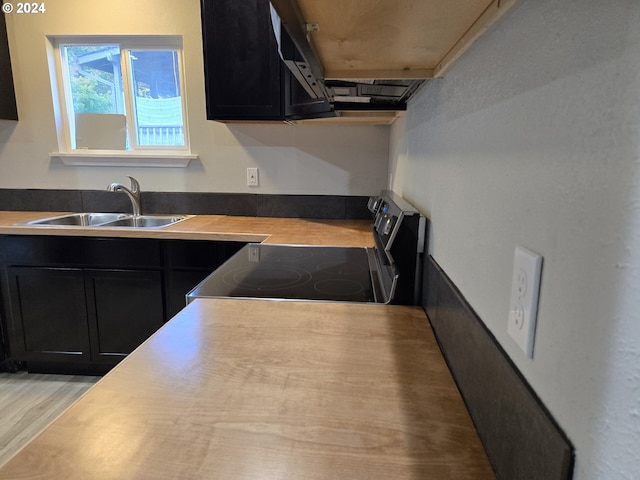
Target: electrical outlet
[
  {"x": 525, "y": 289},
  {"x": 252, "y": 177}
]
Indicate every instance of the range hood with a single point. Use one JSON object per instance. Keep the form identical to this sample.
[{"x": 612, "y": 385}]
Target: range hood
[
  {"x": 373, "y": 55},
  {"x": 343, "y": 94}
]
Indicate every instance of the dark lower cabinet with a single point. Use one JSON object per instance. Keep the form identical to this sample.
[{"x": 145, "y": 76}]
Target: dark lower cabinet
[
  {"x": 182, "y": 282},
  {"x": 188, "y": 263},
  {"x": 80, "y": 304},
  {"x": 78, "y": 316},
  {"x": 48, "y": 321},
  {"x": 2, "y": 353},
  {"x": 125, "y": 307}
]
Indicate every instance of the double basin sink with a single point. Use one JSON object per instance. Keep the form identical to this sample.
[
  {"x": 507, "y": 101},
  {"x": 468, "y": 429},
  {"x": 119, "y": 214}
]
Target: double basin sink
[{"x": 108, "y": 220}]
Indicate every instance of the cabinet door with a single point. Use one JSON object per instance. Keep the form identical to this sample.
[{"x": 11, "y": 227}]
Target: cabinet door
[
  {"x": 2, "y": 355},
  {"x": 125, "y": 307},
  {"x": 49, "y": 318},
  {"x": 243, "y": 71},
  {"x": 182, "y": 282},
  {"x": 8, "y": 109},
  {"x": 188, "y": 263}
]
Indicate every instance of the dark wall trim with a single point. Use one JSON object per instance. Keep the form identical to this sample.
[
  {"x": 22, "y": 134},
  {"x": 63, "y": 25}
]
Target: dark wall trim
[
  {"x": 521, "y": 438},
  {"x": 252, "y": 205}
]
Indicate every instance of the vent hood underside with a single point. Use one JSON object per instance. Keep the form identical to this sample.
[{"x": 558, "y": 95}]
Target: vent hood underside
[
  {"x": 365, "y": 55},
  {"x": 343, "y": 94}
]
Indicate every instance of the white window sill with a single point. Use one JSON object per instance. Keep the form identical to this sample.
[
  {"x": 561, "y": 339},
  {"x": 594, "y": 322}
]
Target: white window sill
[{"x": 94, "y": 159}]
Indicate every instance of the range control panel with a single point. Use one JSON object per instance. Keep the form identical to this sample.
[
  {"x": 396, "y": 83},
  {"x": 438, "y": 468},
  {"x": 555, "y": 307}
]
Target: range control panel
[
  {"x": 399, "y": 232},
  {"x": 389, "y": 212},
  {"x": 386, "y": 223}
]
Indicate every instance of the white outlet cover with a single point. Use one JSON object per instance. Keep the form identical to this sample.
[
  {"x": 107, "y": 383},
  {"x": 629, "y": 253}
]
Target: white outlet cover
[
  {"x": 252, "y": 177},
  {"x": 525, "y": 289},
  {"x": 253, "y": 253}
]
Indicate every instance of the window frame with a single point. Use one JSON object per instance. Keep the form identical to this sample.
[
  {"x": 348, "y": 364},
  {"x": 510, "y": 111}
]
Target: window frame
[{"x": 60, "y": 85}]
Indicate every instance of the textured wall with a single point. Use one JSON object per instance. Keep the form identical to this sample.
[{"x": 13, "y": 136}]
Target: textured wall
[
  {"x": 337, "y": 160},
  {"x": 533, "y": 139}
]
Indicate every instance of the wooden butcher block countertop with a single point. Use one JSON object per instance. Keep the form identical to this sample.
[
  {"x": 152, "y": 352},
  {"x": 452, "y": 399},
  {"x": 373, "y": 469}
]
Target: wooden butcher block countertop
[
  {"x": 253, "y": 389},
  {"x": 348, "y": 233}
]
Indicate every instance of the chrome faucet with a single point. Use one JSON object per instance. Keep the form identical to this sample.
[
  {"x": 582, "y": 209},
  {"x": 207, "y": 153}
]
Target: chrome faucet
[{"x": 133, "y": 194}]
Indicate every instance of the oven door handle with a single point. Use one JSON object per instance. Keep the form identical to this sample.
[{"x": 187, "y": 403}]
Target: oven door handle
[{"x": 384, "y": 278}]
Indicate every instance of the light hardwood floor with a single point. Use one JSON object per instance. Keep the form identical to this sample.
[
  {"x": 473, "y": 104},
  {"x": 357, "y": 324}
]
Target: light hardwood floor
[{"x": 29, "y": 402}]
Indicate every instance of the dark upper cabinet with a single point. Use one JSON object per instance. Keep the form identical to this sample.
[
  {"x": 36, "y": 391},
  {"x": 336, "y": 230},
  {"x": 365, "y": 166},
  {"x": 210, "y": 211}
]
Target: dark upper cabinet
[
  {"x": 245, "y": 78},
  {"x": 8, "y": 109},
  {"x": 243, "y": 73}
]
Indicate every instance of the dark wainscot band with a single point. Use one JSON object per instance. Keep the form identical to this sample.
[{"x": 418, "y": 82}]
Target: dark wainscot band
[
  {"x": 521, "y": 438},
  {"x": 193, "y": 203}
]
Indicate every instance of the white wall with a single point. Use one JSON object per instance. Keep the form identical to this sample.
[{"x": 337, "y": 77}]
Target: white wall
[
  {"x": 533, "y": 138},
  {"x": 340, "y": 160}
]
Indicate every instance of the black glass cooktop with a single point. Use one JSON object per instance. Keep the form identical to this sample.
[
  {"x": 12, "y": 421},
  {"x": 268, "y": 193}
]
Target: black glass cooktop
[{"x": 292, "y": 272}]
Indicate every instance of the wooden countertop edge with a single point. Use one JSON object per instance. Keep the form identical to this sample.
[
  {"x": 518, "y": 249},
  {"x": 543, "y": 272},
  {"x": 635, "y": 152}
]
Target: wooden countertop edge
[
  {"x": 313, "y": 362},
  {"x": 354, "y": 233}
]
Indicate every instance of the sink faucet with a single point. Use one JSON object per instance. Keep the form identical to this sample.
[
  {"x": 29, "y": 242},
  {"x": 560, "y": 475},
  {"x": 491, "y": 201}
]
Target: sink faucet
[{"x": 133, "y": 193}]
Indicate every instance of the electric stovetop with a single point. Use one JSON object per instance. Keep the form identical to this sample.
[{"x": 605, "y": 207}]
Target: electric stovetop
[
  {"x": 292, "y": 272},
  {"x": 390, "y": 272}
]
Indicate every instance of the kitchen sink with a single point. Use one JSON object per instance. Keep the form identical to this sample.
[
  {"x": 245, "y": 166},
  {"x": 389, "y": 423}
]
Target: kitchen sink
[
  {"x": 147, "y": 221},
  {"x": 107, "y": 220},
  {"x": 78, "y": 219}
]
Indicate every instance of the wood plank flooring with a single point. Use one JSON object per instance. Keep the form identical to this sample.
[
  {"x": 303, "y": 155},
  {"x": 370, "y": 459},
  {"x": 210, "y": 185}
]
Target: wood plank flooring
[{"x": 29, "y": 402}]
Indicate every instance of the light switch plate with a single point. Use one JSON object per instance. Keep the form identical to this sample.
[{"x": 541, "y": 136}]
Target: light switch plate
[{"x": 525, "y": 289}]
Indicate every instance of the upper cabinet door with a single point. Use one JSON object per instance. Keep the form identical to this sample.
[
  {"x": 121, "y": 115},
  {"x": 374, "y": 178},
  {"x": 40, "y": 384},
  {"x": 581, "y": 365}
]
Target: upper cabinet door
[
  {"x": 243, "y": 71},
  {"x": 245, "y": 77},
  {"x": 8, "y": 109}
]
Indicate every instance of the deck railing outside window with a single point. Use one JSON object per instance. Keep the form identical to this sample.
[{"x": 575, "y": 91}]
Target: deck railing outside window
[{"x": 169, "y": 135}]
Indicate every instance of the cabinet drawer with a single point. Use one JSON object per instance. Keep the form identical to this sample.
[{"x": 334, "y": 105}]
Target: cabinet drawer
[{"x": 80, "y": 251}]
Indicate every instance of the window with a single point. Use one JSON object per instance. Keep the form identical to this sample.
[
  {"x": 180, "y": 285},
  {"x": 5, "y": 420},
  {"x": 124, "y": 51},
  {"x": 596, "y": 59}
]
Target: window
[{"x": 120, "y": 94}]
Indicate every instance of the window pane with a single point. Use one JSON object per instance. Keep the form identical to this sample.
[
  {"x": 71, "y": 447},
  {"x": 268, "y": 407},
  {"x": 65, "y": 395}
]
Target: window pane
[
  {"x": 96, "y": 107},
  {"x": 95, "y": 78},
  {"x": 157, "y": 98}
]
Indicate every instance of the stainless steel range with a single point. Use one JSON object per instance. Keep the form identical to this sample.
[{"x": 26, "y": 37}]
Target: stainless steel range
[{"x": 390, "y": 272}]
